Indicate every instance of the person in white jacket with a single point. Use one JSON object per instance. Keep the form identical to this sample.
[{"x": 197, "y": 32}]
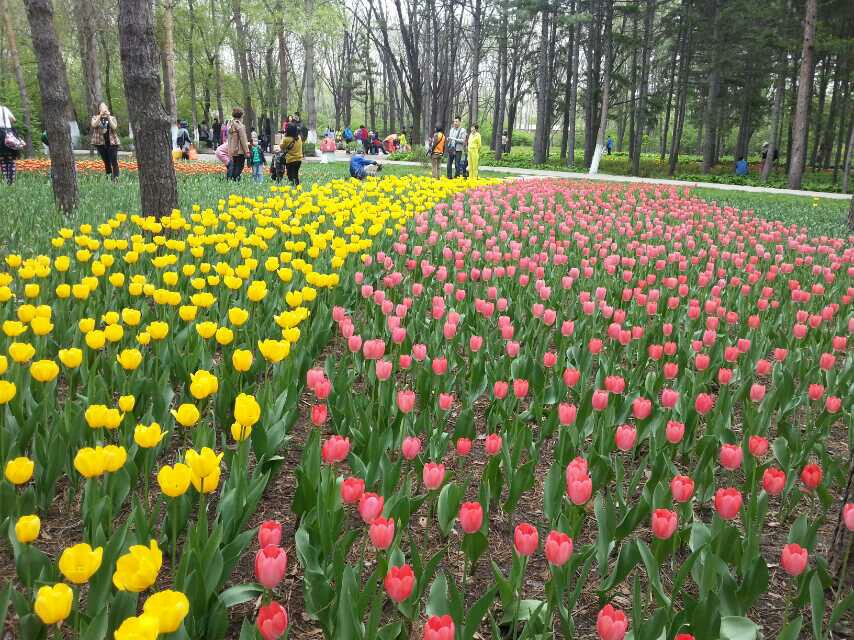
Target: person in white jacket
[{"x": 456, "y": 145}]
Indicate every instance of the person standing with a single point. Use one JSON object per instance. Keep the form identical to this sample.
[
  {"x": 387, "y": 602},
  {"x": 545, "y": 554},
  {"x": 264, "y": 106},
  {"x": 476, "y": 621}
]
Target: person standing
[
  {"x": 437, "y": 150},
  {"x": 238, "y": 145},
  {"x": 609, "y": 146},
  {"x": 292, "y": 147},
  {"x": 216, "y": 134},
  {"x": 474, "y": 143},
  {"x": 456, "y": 144},
  {"x": 8, "y": 154},
  {"x": 257, "y": 160},
  {"x": 184, "y": 140},
  {"x": 105, "y": 139}
]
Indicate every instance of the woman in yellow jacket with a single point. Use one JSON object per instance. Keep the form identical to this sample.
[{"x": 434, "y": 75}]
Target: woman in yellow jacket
[{"x": 474, "y": 151}]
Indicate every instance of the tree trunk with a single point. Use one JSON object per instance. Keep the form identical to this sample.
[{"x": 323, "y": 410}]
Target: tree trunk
[
  {"x": 108, "y": 70},
  {"x": 310, "y": 98},
  {"x": 606, "y": 77},
  {"x": 240, "y": 43},
  {"x": 169, "y": 95},
  {"x": 671, "y": 74},
  {"x": 641, "y": 119},
  {"x": 681, "y": 102},
  {"x": 799, "y": 127},
  {"x": 53, "y": 84},
  {"x": 774, "y": 143},
  {"x": 541, "y": 132},
  {"x": 567, "y": 94},
  {"x": 283, "y": 66},
  {"x": 849, "y": 149},
  {"x": 501, "y": 95},
  {"x": 593, "y": 71},
  {"x": 819, "y": 116},
  {"x": 829, "y": 129},
  {"x": 191, "y": 60},
  {"x": 474, "y": 102},
  {"x": 573, "y": 93},
  {"x": 710, "y": 114},
  {"x": 86, "y": 38},
  {"x": 12, "y": 44},
  {"x": 158, "y": 189}
]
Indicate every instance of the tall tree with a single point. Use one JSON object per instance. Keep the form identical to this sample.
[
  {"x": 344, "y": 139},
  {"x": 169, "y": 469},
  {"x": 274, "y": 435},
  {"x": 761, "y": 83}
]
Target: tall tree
[
  {"x": 191, "y": 63},
  {"x": 474, "y": 95},
  {"x": 239, "y": 43},
  {"x": 710, "y": 113},
  {"x": 284, "y": 63},
  {"x": 544, "y": 81},
  {"x": 643, "y": 93},
  {"x": 606, "y": 72},
  {"x": 84, "y": 16},
  {"x": 56, "y": 102},
  {"x": 170, "y": 96},
  {"x": 776, "y": 110},
  {"x": 158, "y": 188},
  {"x": 800, "y": 123},
  {"x": 26, "y": 108},
  {"x": 502, "y": 80},
  {"x": 310, "y": 79}
]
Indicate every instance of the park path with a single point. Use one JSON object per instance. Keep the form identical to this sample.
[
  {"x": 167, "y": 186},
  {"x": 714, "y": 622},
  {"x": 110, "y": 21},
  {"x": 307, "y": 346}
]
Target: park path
[{"x": 341, "y": 156}]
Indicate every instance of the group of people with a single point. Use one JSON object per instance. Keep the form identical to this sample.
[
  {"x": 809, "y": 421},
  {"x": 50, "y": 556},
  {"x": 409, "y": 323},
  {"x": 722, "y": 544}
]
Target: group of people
[
  {"x": 370, "y": 142},
  {"x": 461, "y": 147}
]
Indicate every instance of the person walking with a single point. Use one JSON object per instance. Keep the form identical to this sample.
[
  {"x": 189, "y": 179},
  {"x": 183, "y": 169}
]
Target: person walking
[
  {"x": 105, "y": 139},
  {"x": 10, "y": 144},
  {"x": 474, "y": 143},
  {"x": 238, "y": 145},
  {"x": 437, "y": 150},
  {"x": 456, "y": 144},
  {"x": 184, "y": 140},
  {"x": 257, "y": 160},
  {"x": 292, "y": 147}
]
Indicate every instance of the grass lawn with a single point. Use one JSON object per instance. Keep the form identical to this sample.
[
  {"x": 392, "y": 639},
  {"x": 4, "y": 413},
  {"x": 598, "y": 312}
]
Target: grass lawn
[{"x": 31, "y": 218}]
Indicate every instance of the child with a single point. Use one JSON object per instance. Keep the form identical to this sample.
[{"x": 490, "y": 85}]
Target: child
[
  {"x": 222, "y": 155},
  {"x": 256, "y": 159},
  {"x": 277, "y": 164}
]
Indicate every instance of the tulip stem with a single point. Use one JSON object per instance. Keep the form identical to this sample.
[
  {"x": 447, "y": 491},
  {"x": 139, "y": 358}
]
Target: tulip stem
[
  {"x": 843, "y": 574},
  {"x": 519, "y": 594},
  {"x": 173, "y": 517}
]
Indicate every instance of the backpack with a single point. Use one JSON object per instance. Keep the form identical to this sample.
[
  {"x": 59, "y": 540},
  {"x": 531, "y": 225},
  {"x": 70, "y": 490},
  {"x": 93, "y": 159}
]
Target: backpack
[{"x": 183, "y": 140}]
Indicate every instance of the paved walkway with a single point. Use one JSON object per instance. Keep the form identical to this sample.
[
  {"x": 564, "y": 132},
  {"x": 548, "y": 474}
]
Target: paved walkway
[{"x": 341, "y": 156}]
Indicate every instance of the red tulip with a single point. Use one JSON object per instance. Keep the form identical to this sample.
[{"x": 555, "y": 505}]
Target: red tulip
[
  {"x": 525, "y": 539},
  {"x": 682, "y": 488},
  {"x": 811, "y": 476},
  {"x": 399, "y": 582},
  {"x": 757, "y": 392},
  {"x": 405, "y": 400},
  {"x": 763, "y": 367},
  {"x": 322, "y": 388},
  {"x": 595, "y": 345},
  {"x": 411, "y": 447},
  {"x": 439, "y": 366},
  {"x": 758, "y": 446},
  {"x": 463, "y": 447},
  {"x": 381, "y": 532},
  {"x": 571, "y": 377},
  {"x": 272, "y": 621},
  {"x": 833, "y": 404},
  {"x": 731, "y": 456},
  {"x": 445, "y": 401},
  {"x": 728, "y": 503},
  {"x": 599, "y": 399},
  {"x": 499, "y": 389},
  {"x": 826, "y": 361},
  {"x": 370, "y": 506},
  {"x": 433, "y": 475},
  {"x": 270, "y": 565},
  {"x": 557, "y": 548},
  {"x": 269, "y": 533},
  {"x": 566, "y": 413},
  {"x": 351, "y": 490},
  {"x": 475, "y": 343},
  {"x": 492, "y": 444},
  {"x": 579, "y": 490},
  {"x": 701, "y": 362},
  {"x": 704, "y": 403},
  {"x": 335, "y": 449},
  {"x": 439, "y": 628},
  {"x": 611, "y": 623},
  {"x": 815, "y": 392},
  {"x": 794, "y": 559},
  {"x": 674, "y": 432},
  {"x": 615, "y": 384},
  {"x": 549, "y": 359},
  {"x": 671, "y": 369},
  {"x": 471, "y": 516},
  {"x": 625, "y": 437},
  {"x": 848, "y": 516},
  {"x": 684, "y": 636},
  {"x": 664, "y": 523},
  {"x": 641, "y": 408},
  {"x": 773, "y": 481}
]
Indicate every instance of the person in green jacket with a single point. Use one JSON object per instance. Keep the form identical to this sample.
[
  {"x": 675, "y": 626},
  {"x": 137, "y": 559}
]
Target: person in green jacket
[{"x": 474, "y": 151}]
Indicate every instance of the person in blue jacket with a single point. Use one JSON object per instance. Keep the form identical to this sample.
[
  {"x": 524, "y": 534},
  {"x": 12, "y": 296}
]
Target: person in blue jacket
[
  {"x": 360, "y": 166},
  {"x": 741, "y": 166}
]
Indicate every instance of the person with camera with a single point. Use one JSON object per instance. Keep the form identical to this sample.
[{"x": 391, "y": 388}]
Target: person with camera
[
  {"x": 105, "y": 139},
  {"x": 361, "y": 167},
  {"x": 10, "y": 144}
]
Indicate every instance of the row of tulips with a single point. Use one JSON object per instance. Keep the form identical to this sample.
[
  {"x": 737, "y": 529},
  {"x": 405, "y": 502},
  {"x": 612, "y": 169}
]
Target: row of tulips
[
  {"x": 150, "y": 375},
  {"x": 645, "y": 387}
]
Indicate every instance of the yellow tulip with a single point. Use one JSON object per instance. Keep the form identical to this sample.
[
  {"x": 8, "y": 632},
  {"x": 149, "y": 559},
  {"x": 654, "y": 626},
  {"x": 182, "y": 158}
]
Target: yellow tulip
[
  {"x": 19, "y": 470},
  {"x": 53, "y": 604},
  {"x": 240, "y": 432},
  {"x": 207, "y": 484},
  {"x": 241, "y": 359},
  {"x": 110, "y": 318},
  {"x": 127, "y": 403},
  {"x": 158, "y": 330},
  {"x": 89, "y": 462},
  {"x": 21, "y": 352},
  {"x": 129, "y": 359},
  {"x": 114, "y": 332},
  {"x": 96, "y": 339},
  {"x": 86, "y": 325},
  {"x": 13, "y": 328},
  {"x": 112, "y": 418},
  {"x": 148, "y": 436},
  {"x": 174, "y": 481},
  {"x": 31, "y": 290},
  {"x": 169, "y": 607},
  {"x": 238, "y": 316},
  {"x": 7, "y": 391},
  {"x": 114, "y": 457},
  {"x": 80, "y": 562},
  {"x": 206, "y": 329},
  {"x": 247, "y": 411},
  {"x": 203, "y": 463},
  {"x": 4, "y": 364},
  {"x": 186, "y": 415},
  {"x": 27, "y": 528},
  {"x": 117, "y": 279},
  {"x": 63, "y": 291},
  {"x": 274, "y": 350},
  {"x": 137, "y": 570},
  {"x": 41, "y": 326},
  {"x": 224, "y": 336},
  {"x": 257, "y": 291},
  {"x": 131, "y": 317},
  {"x": 71, "y": 358},
  {"x": 44, "y": 370},
  {"x": 143, "y": 338},
  {"x": 144, "y": 627},
  {"x": 96, "y": 415},
  {"x": 203, "y": 384},
  {"x": 187, "y": 312},
  {"x": 203, "y": 299}
]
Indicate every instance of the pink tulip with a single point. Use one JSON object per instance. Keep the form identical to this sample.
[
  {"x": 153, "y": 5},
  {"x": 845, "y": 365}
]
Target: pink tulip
[
  {"x": 433, "y": 475},
  {"x": 794, "y": 559},
  {"x": 411, "y": 447},
  {"x": 757, "y": 392},
  {"x": 811, "y": 476},
  {"x": 335, "y": 449},
  {"x": 381, "y": 532},
  {"x": 728, "y": 503},
  {"x": 475, "y": 343},
  {"x": 383, "y": 370},
  {"x": 704, "y": 403},
  {"x": 319, "y": 414},
  {"x": 833, "y": 404},
  {"x": 611, "y": 623},
  {"x": 439, "y": 366},
  {"x": 557, "y": 548},
  {"x": 399, "y": 582},
  {"x": 848, "y": 516},
  {"x": 445, "y": 401},
  {"x": 439, "y": 628},
  {"x": 269, "y": 533},
  {"x": 499, "y": 389},
  {"x": 599, "y": 400},
  {"x": 664, "y": 523},
  {"x": 682, "y": 488},
  {"x": 463, "y": 447},
  {"x": 724, "y": 376},
  {"x": 571, "y": 377},
  {"x": 405, "y": 400},
  {"x": 492, "y": 444},
  {"x": 525, "y": 539},
  {"x": 370, "y": 506},
  {"x": 674, "y": 432},
  {"x": 669, "y": 398},
  {"x": 625, "y": 437},
  {"x": 270, "y": 565},
  {"x": 579, "y": 489},
  {"x": 758, "y": 446},
  {"x": 773, "y": 481},
  {"x": 641, "y": 408},
  {"x": 471, "y": 516},
  {"x": 566, "y": 413},
  {"x": 272, "y": 621},
  {"x": 731, "y": 456}
]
